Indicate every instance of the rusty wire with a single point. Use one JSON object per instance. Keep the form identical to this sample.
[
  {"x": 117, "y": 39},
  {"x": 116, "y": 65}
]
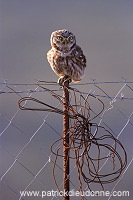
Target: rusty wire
[{"x": 85, "y": 137}]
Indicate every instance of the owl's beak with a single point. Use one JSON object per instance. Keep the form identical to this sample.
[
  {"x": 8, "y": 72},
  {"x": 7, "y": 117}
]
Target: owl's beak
[{"x": 65, "y": 42}]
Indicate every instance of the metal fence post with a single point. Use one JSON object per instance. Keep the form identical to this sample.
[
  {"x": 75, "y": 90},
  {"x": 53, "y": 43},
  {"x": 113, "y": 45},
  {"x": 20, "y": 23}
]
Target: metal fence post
[{"x": 66, "y": 140}]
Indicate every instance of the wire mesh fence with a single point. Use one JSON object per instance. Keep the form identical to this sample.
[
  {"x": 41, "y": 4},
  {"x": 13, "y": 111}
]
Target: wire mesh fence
[{"x": 28, "y": 164}]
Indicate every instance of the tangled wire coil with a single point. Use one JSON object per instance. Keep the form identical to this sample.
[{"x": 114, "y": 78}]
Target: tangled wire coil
[{"x": 90, "y": 144}]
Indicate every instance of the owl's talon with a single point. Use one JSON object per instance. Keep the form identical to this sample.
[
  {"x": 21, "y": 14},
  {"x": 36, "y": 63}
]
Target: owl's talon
[
  {"x": 60, "y": 81},
  {"x": 63, "y": 79},
  {"x": 68, "y": 79}
]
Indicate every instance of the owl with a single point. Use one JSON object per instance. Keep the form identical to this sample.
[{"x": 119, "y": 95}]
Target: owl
[{"x": 66, "y": 58}]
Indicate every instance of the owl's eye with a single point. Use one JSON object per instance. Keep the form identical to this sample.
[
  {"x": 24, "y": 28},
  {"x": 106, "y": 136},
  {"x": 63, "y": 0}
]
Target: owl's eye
[
  {"x": 70, "y": 38},
  {"x": 59, "y": 38}
]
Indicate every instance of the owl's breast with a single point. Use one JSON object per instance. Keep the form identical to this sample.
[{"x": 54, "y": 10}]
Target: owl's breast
[
  {"x": 71, "y": 63},
  {"x": 56, "y": 61}
]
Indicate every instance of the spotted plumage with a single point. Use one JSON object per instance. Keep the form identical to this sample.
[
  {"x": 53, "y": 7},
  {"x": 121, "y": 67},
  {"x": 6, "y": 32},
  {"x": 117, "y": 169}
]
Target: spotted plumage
[{"x": 66, "y": 58}]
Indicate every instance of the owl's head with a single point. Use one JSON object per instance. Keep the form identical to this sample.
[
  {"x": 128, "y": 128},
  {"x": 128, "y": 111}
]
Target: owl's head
[{"x": 63, "y": 40}]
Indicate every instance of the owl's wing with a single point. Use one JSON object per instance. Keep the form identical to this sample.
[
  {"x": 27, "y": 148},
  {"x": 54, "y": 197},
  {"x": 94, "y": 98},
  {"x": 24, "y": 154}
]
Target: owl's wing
[{"x": 80, "y": 56}]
